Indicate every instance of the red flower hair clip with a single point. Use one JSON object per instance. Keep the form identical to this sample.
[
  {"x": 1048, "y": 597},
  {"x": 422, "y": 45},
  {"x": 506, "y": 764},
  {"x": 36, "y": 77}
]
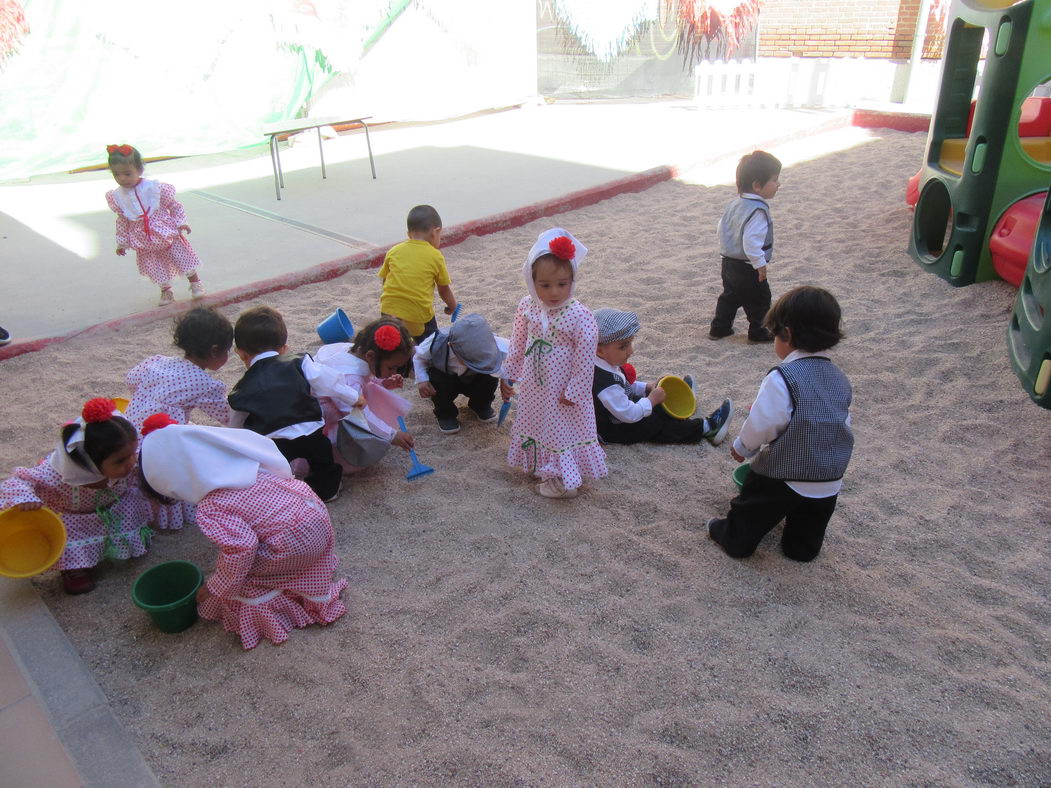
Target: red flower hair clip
[
  {"x": 387, "y": 337},
  {"x": 98, "y": 409},
  {"x": 155, "y": 422},
  {"x": 562, "y": 248},
  {"x": 123, "y": 150}
]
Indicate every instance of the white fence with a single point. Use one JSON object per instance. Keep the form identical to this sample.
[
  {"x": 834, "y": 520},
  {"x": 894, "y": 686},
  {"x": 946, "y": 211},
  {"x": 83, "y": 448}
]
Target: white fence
[
  {"x": 809, "y": 82},
  {"x": 780, "y": 82}
]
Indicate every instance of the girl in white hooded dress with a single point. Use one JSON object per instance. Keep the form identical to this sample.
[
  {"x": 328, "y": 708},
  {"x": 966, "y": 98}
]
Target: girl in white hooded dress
[
  {"x": 275, "y": 570},
  {"x": 552, "y": 356}
]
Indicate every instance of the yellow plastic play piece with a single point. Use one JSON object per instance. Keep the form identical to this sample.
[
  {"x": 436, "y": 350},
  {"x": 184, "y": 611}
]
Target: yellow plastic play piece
[
  {"x": 1037, "y": 148},
  {"x": 952, "y": 155}
]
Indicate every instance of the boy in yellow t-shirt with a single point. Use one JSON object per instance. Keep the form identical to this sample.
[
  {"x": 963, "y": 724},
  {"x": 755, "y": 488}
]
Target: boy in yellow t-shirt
[{"x": 412, "y": 271}]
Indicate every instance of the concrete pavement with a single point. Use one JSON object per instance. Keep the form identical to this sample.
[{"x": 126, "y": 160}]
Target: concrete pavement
[{"x": 483, "y": 173}]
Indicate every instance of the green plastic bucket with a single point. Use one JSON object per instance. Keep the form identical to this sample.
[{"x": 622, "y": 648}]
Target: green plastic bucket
[
  {"x": 168, "y": 592},
  {"x": 741, "y": 473}
]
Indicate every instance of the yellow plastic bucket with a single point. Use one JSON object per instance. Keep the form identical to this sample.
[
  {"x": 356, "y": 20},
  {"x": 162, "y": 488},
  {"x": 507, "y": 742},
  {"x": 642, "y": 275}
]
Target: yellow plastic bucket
[
  {"x": 30, "y": 542},
  {"x": 121, "y": 403},
  {"x": 679, "y": 402}
]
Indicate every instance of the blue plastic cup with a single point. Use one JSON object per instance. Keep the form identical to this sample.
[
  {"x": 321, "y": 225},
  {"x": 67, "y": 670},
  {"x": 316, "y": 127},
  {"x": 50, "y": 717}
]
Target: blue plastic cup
[{"x": 336, "y": 328}]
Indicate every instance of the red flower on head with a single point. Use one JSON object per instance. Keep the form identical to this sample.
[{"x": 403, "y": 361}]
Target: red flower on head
[
  {"x": 387, "y": 337},
  {"x": 123, "y": 150},
  {"x": 562, "y": 248},
  {"x": 155, "y": 422},
  {"x": 98, "y": 409},
  {"x": 111, "y": 149}
]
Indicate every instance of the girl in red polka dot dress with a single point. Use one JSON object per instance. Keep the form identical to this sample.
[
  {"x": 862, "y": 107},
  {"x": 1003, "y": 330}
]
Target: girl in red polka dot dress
[
  {"x": 152, "y": 222},
  {"x": 85, "y": 482},
  {"x": 551, "y": 355},
  {"x": 275, "y": 570},
  {"x": 175, "y": 386}
]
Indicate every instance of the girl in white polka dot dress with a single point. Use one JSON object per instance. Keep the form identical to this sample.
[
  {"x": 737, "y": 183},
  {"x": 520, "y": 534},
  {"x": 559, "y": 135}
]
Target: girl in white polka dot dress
[
  {"x": 275, "y": 569},
  {"x": 85, "y": 482},
  {"x": 551, "y": 355},
  {"x": 152, "y": 222},
  {"x": 175, "y": 386}
]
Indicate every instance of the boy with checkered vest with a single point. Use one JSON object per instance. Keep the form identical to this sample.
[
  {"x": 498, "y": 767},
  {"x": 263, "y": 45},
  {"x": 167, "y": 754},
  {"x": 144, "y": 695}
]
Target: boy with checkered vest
[
  {"x": 627, "y": 411},
  {"x": 797, "y": 434}
]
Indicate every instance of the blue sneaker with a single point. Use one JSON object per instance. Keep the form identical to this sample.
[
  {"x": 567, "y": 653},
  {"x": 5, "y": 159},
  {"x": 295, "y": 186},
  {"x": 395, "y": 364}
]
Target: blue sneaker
[{"x": 719, "y": 423}]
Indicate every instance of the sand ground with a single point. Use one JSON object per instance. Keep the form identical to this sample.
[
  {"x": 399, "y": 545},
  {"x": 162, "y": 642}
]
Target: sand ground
[{"x": 498, "y": 638}]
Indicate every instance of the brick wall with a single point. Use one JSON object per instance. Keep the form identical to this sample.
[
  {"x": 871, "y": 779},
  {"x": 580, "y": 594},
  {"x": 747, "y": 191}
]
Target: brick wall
[{"x": 843, "y": 28}]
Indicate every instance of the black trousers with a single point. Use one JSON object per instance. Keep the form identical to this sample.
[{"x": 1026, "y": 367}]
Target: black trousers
[
  {"x": 316, "y": 449},
  {"x": 658, "y": 427},
  {"x": 741, "y": 288},
  {"x": 479, "y": 390},
  {"x": 762, "y": 504}
]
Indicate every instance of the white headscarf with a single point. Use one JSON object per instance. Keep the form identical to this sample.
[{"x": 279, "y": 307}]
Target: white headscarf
[
  {"x": 71, "y": 471},
  {"x": 187, "y": 461},
  {"x": 540, "y": 248}
]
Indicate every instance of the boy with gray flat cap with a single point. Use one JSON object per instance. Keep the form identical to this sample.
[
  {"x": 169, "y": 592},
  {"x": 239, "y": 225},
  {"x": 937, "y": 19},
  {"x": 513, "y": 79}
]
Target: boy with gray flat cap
[
  {"x": 626, "y": 410},
  {"x": 465, "y": 358}
]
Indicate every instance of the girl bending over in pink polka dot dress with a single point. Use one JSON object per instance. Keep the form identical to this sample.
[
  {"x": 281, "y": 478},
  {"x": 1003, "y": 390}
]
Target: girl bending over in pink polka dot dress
[
  {"x": 551, "y": 355},
  {"x": 176, "y": 386},
  {"x": 275, "y": 570},
  {"x": 152, "y": 222}
]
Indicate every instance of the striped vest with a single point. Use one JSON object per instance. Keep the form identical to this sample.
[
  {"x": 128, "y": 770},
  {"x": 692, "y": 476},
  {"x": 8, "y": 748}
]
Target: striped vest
[
  {"x": 731, "y": 228},
  {"x": 816, "y": 446}
]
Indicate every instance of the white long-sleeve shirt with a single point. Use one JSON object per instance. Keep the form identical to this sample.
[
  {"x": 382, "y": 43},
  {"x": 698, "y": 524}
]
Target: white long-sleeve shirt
[
  {"x": 769, "y": 417},
  {"x": 324, "y": 382}
]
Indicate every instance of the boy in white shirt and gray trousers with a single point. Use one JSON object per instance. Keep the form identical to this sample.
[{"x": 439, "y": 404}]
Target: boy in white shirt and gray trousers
[
  {"x": 797, "y": 434},
  {"x": 746, "y": 243}
]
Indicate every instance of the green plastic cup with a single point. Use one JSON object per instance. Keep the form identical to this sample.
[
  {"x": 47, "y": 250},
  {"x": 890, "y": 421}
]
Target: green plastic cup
[{"x": 168, "y": 592}]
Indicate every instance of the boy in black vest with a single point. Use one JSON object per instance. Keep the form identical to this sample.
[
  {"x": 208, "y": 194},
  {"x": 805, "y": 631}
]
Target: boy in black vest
[
  {"x": 746, "y": 243},
  {"x": 277, "y": 397},
  {"x": 797, "y": 434},
  {"x": 626, "y": 411},
  {"x": 464, "y": 359}
]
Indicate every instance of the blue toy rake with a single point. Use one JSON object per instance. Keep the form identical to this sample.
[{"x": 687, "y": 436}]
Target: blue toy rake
[
  {"x": 455, "y": 314},
  {"x": 418, "y": 469}
]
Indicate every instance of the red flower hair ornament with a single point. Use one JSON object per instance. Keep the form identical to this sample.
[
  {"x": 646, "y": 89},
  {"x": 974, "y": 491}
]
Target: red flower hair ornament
[
  {"x": 123, "y": 150},
  {"x": 387, "y": 337},
  {"x": 155, "y": 422},
  {"x": 562, "y": 248},
  {"x": 98, "y": 409}
]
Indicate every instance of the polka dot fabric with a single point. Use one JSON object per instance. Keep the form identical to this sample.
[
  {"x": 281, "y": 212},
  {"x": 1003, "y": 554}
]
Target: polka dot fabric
[
  {"x": 166, "y": 384},
  {"x": 165, "y": 253},
  {"x": 549, "y": 438},
  {"x": 275, "y": 570},
  {"x": 85, "y": 530}
]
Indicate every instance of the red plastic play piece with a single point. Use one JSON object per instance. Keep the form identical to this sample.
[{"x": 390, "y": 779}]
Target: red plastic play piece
[{"x": 1012, "y": 237}]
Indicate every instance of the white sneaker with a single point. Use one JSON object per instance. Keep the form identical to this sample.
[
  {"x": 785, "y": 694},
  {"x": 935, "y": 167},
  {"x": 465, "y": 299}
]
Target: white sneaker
[
  {"x": 167, "y": 297},
  {"x": 554, "y": 488},
  {"x": 196, "y": 289}
]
